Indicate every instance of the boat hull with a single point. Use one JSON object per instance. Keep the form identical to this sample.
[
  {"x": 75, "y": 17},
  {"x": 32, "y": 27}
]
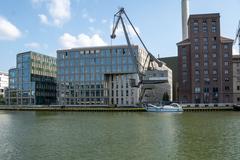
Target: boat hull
[
  {"x": 236, "y": 107},
  {"x": 150, "y": 109}
]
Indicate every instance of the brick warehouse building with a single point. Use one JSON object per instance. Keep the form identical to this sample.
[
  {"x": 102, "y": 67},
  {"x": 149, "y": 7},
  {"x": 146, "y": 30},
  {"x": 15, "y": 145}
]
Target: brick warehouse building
[{"x": 205, "y": 62}]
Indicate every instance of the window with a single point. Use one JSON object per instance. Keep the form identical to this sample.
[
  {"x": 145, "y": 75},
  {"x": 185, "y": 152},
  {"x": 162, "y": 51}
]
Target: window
[
  {"x": 215, "y": 79},
  {"x": 196, "y": 47},
  {"x": 197, "y": 80},
  {"x": 214, "y": 29},
  {"x": 226, "y": 63},
  {"x": 197, "y": 64},
  {"x": 238, "y": 88},
  {"x": 204, "y": 28},
  {"x": 227, "y": 88},
  {"x": 197, "y": 90},
  {"x": 214, "y": 22},
  {"x": 196, "y": 55},
  {"x": 207, "y": 80},
  {"x": 195, "y": 29},
  {"x": 197, "y": 72},
  {"x": 205, "y": 40},
  {"x": 214, "y": 46},
  {"x": 214, "y": 72},
  {"x": 225, "y": 55},
  {"x": 205, "y": 47},
  {"x": 206, "y": 90},
  {"x": 184, "y": 51},
  {"x": 206, "y": 72},
  {"x": 214, "y": 55},
  {"x": 204, "y": 23},
  {"x": 195, "y": 23},
  {"x": 205, "y": 55},
  {"x": 196, "y": 40},
  {"x": 226, "y": 71},
  {"x": 205, "y": 64},
  {"x": 215, "y": 89},
  {"x": 214, "y": 63},
  {"x": 184, "y": 57},
  {"x": 225, "y": 46}
]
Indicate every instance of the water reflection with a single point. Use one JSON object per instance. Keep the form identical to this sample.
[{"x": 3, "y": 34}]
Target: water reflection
[{"x": 76, "y": 135}]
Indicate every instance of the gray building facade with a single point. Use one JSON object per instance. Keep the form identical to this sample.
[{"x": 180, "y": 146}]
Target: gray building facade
[
  {"x": 98, "y": 76},
  {"x": 236, "y": 79}
]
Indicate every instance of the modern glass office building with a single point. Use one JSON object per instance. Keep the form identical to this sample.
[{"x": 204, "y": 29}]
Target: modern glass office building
[
  {"x": 98, "y": 75},
  {"x": 33, "y": 81}
]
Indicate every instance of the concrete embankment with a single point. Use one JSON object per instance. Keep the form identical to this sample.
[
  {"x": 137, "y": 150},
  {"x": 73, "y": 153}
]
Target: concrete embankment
[
  {"x": 105, "y": 109},
  {"x": 77, "y": 109},
  {"x": 207, "y": 109}
]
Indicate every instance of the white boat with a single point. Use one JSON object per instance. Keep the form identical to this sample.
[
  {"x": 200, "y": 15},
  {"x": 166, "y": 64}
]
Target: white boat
[{"x": 174, "y": 107}]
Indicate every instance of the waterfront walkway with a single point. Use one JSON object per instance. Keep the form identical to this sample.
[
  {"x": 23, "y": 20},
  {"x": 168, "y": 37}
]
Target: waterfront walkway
[{"x": 106, "y": 109}]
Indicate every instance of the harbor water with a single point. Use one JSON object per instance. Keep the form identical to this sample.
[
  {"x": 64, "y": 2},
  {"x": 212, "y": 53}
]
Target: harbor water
[{"x": 119, "y": 136}]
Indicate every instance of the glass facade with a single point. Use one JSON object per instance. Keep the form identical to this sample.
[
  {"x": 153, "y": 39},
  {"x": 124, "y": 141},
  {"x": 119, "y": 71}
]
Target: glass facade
[
  {"x": 97, "y": 76},
  {"x": 33, "y": 81}
]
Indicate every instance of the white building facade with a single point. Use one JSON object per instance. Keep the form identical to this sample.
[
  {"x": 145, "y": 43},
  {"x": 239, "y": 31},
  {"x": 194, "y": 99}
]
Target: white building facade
[{"x": 3, "y": 82}]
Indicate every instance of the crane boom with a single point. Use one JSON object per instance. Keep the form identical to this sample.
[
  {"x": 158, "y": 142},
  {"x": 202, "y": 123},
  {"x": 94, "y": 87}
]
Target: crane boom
[
  {"x": 145, "y": 84},
  {"x": 113, "y": 35}
]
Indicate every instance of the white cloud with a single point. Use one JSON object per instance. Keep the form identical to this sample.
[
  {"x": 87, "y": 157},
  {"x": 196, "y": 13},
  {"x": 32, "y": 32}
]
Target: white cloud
[
  {"x": 8, "y": 31},
  {"x": 58, "y": 10},
  {"x": 94, "y": 30},
  {"x": 32, "y": 45},
  {"x": 119, "y": 32},
  {"x": 43, "y": 18},
  {"x": 82, "y": 40},
  {"x": 85, "y": 15},
  {"x": 104, "y": 21},
  {"x": 91, "y": 20},
  {"x": 37, "y": 1}
]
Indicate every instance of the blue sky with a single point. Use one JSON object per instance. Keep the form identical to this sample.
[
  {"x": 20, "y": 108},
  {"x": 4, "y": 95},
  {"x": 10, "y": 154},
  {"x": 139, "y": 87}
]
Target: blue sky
[{"x": 47, "y": 25}]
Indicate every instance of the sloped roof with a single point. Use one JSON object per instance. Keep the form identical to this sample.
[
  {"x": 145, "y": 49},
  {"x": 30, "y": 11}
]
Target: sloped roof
[
  {"x": 184, "y": 42},
  {"x": 226, "y": 40}
]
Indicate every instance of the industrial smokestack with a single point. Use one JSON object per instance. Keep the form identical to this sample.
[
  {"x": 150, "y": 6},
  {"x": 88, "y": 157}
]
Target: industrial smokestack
[{"x": 185, "y": 15}]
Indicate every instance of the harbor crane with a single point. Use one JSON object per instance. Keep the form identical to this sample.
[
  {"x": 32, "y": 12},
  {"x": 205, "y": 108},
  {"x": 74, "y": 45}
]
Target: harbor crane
[
  {"x": 150, "y": 59},
  {"x": 238, "y": 36}
]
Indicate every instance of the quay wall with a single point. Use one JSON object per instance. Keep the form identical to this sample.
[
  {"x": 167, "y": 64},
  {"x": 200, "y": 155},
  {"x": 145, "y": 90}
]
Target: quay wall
[{"x": 187, "y": 108}]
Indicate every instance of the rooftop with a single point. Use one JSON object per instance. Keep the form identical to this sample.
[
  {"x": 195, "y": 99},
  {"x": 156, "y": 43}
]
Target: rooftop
[{"x": 96, "y": 47}]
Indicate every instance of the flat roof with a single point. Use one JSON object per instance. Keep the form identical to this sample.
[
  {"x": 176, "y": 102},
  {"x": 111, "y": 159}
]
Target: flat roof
[
  {"x": 96, "y": 47},
  {"x": 28, "y": 52}
]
